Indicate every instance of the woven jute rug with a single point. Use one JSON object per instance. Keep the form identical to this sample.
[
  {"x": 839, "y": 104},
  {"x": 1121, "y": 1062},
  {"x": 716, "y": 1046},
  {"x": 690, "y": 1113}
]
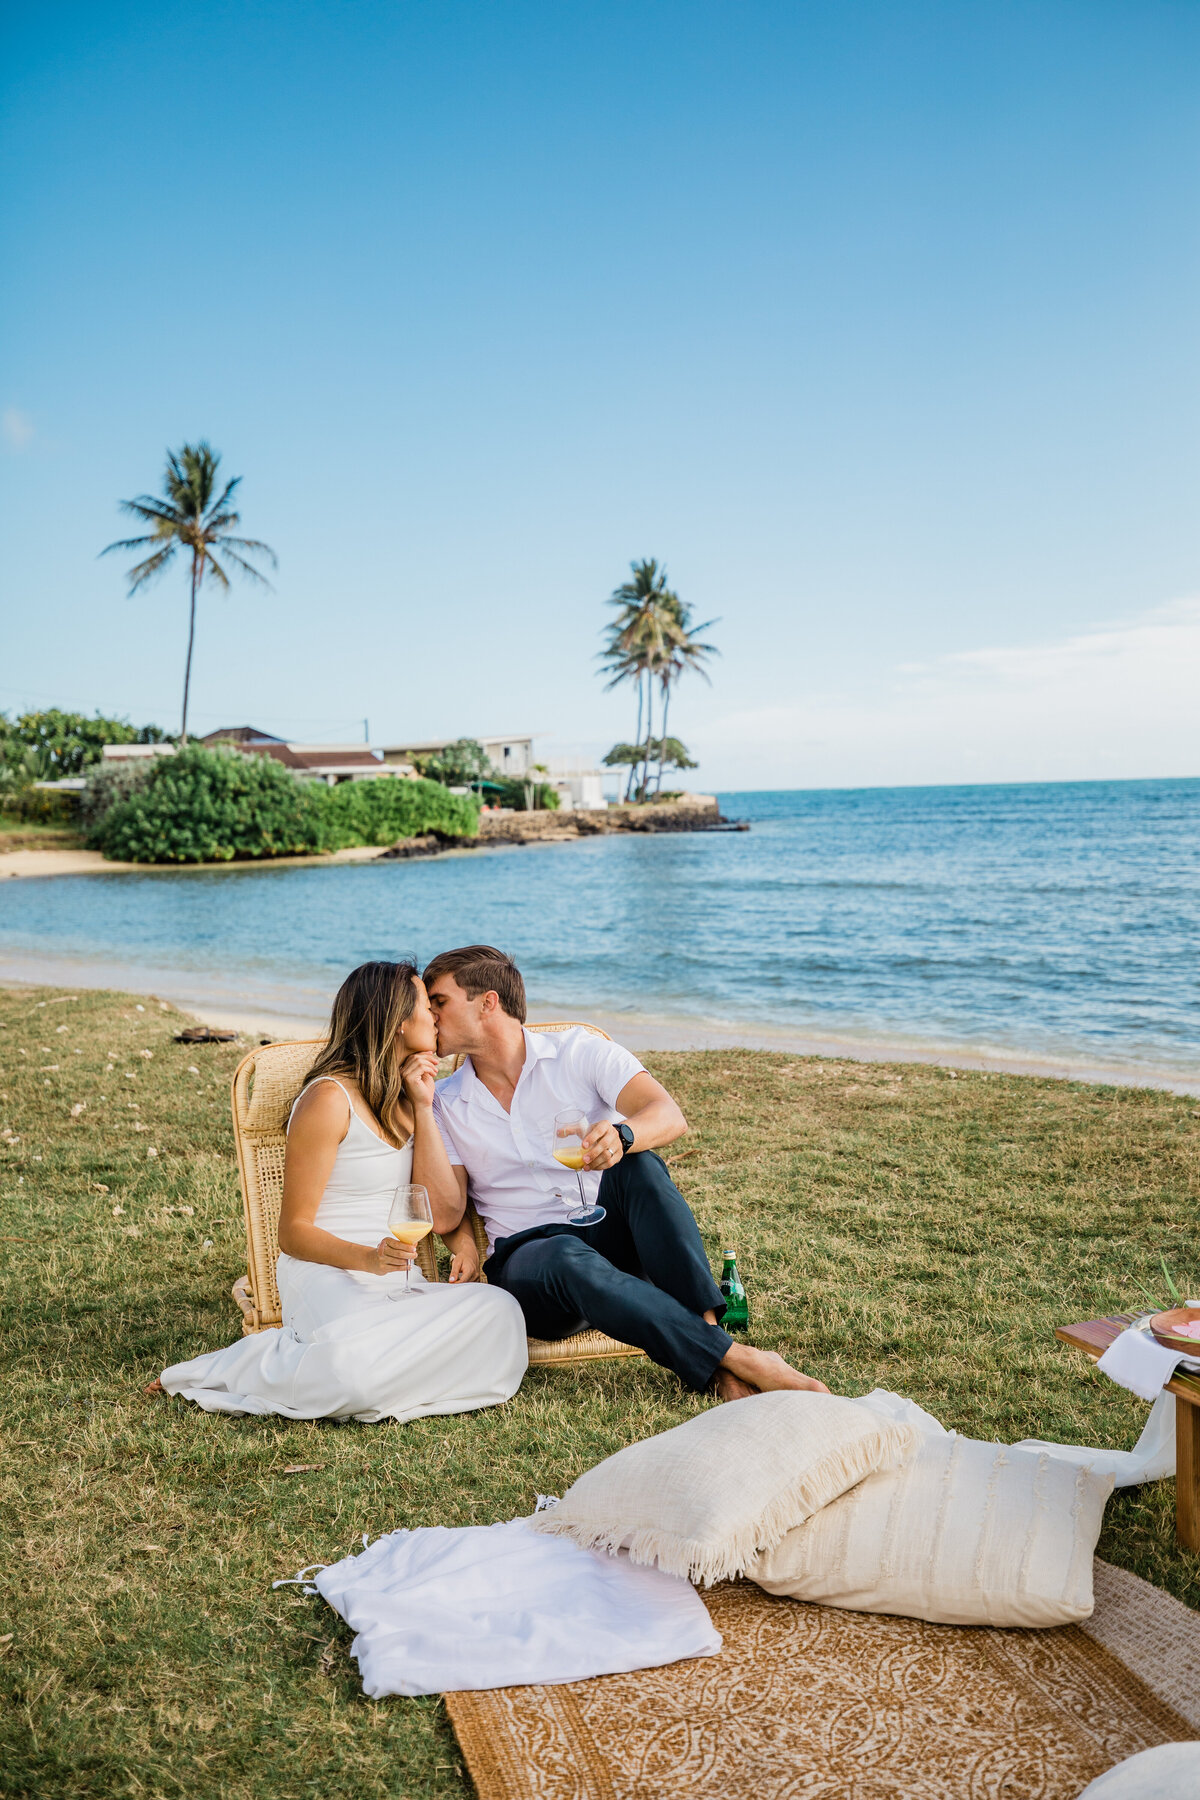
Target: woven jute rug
[{"x": 812, "y": 1703}]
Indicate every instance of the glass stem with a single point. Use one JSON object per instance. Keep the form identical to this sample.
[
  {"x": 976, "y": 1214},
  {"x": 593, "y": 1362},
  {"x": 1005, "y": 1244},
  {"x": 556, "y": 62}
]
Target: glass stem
[{"x": 583, "y": 1205}]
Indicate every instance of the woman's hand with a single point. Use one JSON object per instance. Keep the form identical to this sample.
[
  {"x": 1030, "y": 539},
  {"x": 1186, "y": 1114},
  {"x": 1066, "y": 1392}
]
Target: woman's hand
[
  {"x": 392, "y": 1257},
  {"x": 465, "y": 1264},
  {"x": 419, "y": 1073}
]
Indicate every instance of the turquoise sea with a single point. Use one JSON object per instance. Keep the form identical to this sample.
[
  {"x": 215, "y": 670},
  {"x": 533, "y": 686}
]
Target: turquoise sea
[{"x": 1055, "y": 924}]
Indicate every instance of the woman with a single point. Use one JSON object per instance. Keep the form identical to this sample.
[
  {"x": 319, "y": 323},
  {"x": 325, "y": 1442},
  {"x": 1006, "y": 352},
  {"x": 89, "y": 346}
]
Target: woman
[{"x": 348, "y": 1349}]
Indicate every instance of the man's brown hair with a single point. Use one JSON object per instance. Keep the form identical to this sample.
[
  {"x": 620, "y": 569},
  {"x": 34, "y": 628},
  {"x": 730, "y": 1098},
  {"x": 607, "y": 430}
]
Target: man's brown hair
[{"x": 481, "y": 969}]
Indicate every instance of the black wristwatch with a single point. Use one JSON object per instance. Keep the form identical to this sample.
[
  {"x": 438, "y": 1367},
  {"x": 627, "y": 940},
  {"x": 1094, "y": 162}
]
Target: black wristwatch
[{"x": 625, "y": 1133}]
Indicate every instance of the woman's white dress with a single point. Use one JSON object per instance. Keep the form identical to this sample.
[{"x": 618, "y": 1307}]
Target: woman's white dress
[{"x": 346, "y": 1348}]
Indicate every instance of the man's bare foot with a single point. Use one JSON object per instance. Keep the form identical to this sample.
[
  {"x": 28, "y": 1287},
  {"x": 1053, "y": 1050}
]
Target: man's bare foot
[
  {"x": 154, "y": 1387},
  {"x": 764, "y": 1371},
  {"x": 726, "y": 1386}
]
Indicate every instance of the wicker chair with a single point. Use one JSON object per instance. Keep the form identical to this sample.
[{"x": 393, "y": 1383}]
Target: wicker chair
[{"x": 265, "y": 1084}]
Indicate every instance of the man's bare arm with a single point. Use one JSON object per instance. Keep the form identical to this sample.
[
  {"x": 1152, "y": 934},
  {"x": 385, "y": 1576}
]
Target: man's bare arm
[{"x": 650, "y": 1112}]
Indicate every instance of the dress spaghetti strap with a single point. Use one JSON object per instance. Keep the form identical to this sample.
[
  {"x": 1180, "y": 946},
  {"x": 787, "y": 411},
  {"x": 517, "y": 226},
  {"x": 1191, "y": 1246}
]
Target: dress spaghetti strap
[{"x": 313, "y": 1083}]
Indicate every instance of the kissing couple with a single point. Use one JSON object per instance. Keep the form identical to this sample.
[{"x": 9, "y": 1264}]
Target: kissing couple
[{"x": 372, "y": 1117}]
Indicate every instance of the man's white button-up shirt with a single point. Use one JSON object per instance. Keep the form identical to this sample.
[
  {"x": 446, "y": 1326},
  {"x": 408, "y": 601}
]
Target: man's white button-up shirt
[{"x": 511, "y": 1173}]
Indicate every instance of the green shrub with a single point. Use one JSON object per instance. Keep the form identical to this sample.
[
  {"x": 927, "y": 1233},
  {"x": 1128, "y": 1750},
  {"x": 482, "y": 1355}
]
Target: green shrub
[
  {"x": 108, "y": 782},
  {"x": 390, "y": 807},
  {"x": 216, "y": 806},
  {"x": 458, "y": 765}
]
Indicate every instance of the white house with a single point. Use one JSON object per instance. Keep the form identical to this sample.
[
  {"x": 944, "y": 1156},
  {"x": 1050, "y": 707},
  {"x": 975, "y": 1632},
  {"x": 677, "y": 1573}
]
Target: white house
[
  {"x": 509, "y": 754},
  {"x": 578, "y": 789}
]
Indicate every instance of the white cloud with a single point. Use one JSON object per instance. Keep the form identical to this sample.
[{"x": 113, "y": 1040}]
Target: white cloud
[
  {"x": 17, "y": 427},
  {"x": 1120, "y": 700}
]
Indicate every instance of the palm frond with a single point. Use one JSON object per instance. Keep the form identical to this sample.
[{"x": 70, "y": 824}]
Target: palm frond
[
  {"x": 147, "y": 507},
  {"x": 240, "y": 562},
  {"x": 153, "y": 565},
  {"x": 212, "y": 567},
  {"x": 131, "y": 543},
  {"x": 217, "y": 505},
  {"x": 253, "y": 545}
]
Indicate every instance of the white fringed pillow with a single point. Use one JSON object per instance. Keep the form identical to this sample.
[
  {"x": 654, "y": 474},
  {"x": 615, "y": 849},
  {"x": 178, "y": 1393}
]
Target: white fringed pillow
[
  {"x": 702, "y": 1499},
  {"x": 964, "y": 1534}
]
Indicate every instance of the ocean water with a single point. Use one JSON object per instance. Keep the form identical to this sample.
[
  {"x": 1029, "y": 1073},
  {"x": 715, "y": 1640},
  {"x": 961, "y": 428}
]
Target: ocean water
[{"x": 1056, "y": 922}]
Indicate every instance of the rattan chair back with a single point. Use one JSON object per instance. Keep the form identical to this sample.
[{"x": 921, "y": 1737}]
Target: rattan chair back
[{"x": 265, "y": 1086}]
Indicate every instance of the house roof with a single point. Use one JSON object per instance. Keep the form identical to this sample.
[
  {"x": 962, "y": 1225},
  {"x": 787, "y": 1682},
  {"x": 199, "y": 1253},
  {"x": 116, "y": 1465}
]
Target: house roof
[{"x": 240, "y": 734}]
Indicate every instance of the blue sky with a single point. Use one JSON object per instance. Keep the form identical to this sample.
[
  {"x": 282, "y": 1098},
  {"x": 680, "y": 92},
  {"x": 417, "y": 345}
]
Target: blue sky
[{"x": 876, "y": 322}]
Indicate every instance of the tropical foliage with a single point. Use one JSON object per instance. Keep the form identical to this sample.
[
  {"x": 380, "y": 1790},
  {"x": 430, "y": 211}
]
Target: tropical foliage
[
  {"x": 460, "y": 764},
  {"x": 526, "y": 795},
  {"x": 652, "y": 643},
  {"x": 54, "y": 746},
  {"x": 109, "y": 782},
  {"x": 666, "y": 752},
  {"x": 466, "y": 763},
  {"x": 224, "y": 806},
  {"x": 192, "y": 516},
  {"x": 391, "y": 807},
  {"x": 71, "y": 742},
  {"x": 215, "y": 806}
]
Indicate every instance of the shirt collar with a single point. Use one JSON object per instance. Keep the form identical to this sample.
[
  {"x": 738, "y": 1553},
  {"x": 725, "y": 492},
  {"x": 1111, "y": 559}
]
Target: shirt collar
[{"x": 539, "y": 1045}]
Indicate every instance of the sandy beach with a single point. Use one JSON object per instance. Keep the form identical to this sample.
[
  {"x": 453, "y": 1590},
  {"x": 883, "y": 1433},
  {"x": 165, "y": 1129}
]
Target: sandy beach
[
  {"x": 267, "y": 1010},
  {"x": 25, "y": 863}
]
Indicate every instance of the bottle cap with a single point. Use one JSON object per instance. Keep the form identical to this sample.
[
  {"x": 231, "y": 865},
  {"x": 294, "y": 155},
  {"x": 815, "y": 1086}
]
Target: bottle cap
[{"x": 731, "y": 1253}]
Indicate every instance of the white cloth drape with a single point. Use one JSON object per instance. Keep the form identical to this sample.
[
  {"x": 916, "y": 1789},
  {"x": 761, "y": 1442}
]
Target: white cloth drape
[
  {"x": 1151, "y": 1459},
  {"x": 437, "y": 1610},
  {"x": 1137, "y": 1361}
]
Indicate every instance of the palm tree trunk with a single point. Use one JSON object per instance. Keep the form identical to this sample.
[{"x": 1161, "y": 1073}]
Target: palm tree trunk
[
  {"x": 197, "y": 573},
  {"x": 662, "y": 740},
  {"x": 649, "y": 734},
  {"x": 637, "y": 740}
]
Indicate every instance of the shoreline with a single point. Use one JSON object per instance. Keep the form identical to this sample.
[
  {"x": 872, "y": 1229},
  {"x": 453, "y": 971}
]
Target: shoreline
[
  {"x": 260, "y": 1014},
  {"x": 497, "y": 831},
  {"x": 40, "y": 864}
]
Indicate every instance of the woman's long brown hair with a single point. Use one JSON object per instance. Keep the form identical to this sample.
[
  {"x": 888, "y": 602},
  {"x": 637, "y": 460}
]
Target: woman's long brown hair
[{"x": 364, "y": 1036}]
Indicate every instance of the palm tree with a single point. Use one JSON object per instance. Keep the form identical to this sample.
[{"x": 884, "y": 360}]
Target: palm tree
[
  {"x": 682, "y": 651},
  {"x": 194, "y": 517},
  {"x": 637, "y": 640}
]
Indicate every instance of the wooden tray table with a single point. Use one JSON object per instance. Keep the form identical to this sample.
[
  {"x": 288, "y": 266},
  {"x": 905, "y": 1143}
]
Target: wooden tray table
[{"x": 1093, "y": 1336}]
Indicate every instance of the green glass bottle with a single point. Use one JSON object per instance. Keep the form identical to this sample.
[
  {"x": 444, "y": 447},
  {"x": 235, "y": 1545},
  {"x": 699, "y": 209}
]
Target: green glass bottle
[{"x": 737, "y": 1312}]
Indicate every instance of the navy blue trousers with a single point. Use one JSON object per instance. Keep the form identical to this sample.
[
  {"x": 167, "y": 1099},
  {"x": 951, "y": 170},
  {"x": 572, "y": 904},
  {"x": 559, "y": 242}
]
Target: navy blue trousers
[{"x": 641, "y": 1274}]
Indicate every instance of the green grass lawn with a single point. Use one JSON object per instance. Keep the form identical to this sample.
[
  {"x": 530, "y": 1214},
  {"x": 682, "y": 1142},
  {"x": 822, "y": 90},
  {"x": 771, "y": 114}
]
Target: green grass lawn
[
  {"x": 896, "y": 1226},
  {"x": 22, "y": 834}
]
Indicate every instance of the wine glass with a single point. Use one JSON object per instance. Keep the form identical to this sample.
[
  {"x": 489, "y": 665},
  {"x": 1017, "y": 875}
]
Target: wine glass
[
  {"x": 409, "y": 1220},
  {"x": 566, "y": 1147}
]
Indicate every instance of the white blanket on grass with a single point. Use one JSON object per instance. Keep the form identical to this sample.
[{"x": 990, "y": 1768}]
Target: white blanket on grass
[{"x": 437, "y": 1610}]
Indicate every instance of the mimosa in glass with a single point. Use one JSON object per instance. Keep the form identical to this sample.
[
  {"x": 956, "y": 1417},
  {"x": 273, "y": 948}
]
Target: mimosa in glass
[
  {"x": 566, "y": 1147},
  {"x": 409, "y": 1220}
]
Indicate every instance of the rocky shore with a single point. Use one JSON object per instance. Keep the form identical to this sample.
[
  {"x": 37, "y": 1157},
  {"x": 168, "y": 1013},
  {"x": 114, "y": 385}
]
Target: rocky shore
[{"x": 698, "y": 813}]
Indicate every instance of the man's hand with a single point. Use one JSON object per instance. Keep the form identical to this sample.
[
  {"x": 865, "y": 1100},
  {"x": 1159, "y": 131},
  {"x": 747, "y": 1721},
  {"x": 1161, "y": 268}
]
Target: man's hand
[
  {"x": 391, "y": 1256},
  {"x": 465, "y": 1266},
  {"x": 602, "y": 1148},
  {"x": 419, "y": 1073}
]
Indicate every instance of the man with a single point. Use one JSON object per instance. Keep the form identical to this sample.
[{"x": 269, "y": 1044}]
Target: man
[{"x": 641, "y": 1273}]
